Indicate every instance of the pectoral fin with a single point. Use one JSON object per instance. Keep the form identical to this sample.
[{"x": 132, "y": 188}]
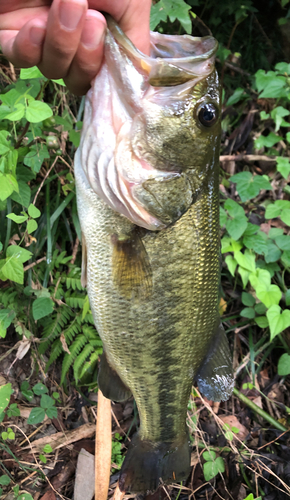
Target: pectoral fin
[
  {"x": 165, "y": 198},
  {"x": 215, "y": 377},
  {"x": 110, "y": 383},
  {"x": 132, "y": 274}
]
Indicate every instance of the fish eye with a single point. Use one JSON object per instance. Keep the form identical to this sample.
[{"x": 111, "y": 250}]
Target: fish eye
[{"x": 208, "y": 114}]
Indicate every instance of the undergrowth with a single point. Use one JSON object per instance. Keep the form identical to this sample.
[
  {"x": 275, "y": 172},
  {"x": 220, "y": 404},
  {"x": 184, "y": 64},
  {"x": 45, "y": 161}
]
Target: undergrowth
[{"x": 41, "y": 296}]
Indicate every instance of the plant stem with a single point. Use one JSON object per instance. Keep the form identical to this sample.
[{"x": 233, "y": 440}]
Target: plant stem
[
  {"x": 259, "y": 411},
  {"x": 9, "y": 221}
]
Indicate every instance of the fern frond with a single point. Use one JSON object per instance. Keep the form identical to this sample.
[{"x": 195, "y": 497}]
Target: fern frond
[
  {"x": 69, "y": 359},
  {"x": 79, "y": 362},
  {"x": 56, "y": 351},
  {"x": 87, "y": 365}
]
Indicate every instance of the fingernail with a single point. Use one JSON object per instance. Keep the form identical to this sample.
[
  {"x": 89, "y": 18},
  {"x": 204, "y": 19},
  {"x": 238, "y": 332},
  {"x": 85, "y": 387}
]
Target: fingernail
[
  {"x": 70, "y": 13},
  {"x": 37, "y": 35},
  {"x": 92, "y": 33}
]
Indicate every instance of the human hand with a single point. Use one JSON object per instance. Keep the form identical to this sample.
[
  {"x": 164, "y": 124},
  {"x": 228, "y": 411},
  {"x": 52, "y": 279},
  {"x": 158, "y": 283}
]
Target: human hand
[{"x": 65, "y": 38}]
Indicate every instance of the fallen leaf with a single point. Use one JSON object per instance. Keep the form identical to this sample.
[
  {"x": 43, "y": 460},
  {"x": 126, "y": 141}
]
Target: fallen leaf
[
  {"x": 232, "y": 421},
  {"x": 64, "y": 344},
  {"x": 23, "y": 348},
  {"x": 49, "y": 495}
]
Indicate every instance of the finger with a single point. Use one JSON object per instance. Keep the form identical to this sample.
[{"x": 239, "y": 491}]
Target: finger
[
  {"x": 64, "y": 28},
  {"x": 24, "y": 48},
  {"x": 133, "y": 17},
  {"x": 88, "y": 58}
]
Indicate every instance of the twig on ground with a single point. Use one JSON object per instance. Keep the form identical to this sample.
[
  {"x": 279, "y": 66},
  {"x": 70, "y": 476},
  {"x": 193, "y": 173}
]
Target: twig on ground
[{"x": 247, "y": 157}]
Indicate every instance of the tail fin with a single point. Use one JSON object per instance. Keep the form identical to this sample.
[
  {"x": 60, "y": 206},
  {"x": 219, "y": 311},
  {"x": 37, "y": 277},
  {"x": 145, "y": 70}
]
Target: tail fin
[{"x": 147, "y": 462}]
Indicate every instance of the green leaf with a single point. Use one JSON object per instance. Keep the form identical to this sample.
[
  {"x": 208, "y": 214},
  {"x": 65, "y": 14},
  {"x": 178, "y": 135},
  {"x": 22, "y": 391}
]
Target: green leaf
[
  {"x": 248, "y": 185},
  {"x": 269, "y": 295},
  {"x": 6, "y": 317},
  {"x": 36, "y": 416},
  {"x": 273, "y": 88},
  {"x": 223, "y": 217},
  {"x": 33, "y": 211},
  {"x": 285, "y": 216},
  {"x": 238, "y": 94},
  {"x": 13, "y": 270},
  {"x": 209, "y": 455},
  {"x": 46, "y": 401},
  {"x": 248, "y": 312},
  {"x": 284, "y": 365},
  {"x": 262, "y": 321},
  {"x": 278, "y": 114},
  {"x": 248, "y": 299},
  {"x": 175, "y": 9},
  {"x": 19, "y": 253},
  {"x": 260, "y": 277},
  {"x": 5, "y": 393},
  {"x": 8, "y": 184},
  {"x": 38, "y": 111},
  {"x": 51, "y": 412},
  {"x": 244, "y": 275},
  {"x": 256, "y": 243},
  {"x": 47, "y": 448},
  {"x": 273, "y": 253},
  {"x": 75, "y": 137},
  {"x": 17, "y": 113},
  {"x": 4, "y": 480},
  {"x": 233, "y": 208},
  {"x": 246, "y": 260},
  {"x": 260, "y": 308},
  {"x": 24, "y": 195},
  {"x": 287, "y": 297},
  {"x": 39, "y": 389},
  {"x": 211, "y": 469},
  {"x": 272, "y": 211},
  {"x": 274, "y": 232},
  {"x": 17, "y": 218},
  {"x": 30, "y": 73},
  {"x": 31, "y": 226},
  {"x": 231, "y": 263},
  {"x": 236, "y": 227},
  {"x": 42, "y": 458},
  {"x": 278, "y": 321},
  {"x": 4, "y": 143},
  {"x": 283, "y": 166},
  {"x": 36, "y": 156},
  {"x": 42, "y": 307},
  {"x": 283, "y": 241},
  {"x": 267, "y": 141}
]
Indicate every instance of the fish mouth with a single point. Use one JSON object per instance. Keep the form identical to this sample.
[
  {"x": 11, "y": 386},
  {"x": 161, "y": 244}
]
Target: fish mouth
[{"x": 174, "y": 59}]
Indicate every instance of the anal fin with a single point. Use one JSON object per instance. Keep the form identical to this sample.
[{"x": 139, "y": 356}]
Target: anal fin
[
  {"x": 215, "y": 378},
  {"x": 110, "y": 383}
]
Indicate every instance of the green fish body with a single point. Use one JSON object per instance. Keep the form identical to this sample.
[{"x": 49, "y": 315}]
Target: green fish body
[{"x": 147, "y": 176}]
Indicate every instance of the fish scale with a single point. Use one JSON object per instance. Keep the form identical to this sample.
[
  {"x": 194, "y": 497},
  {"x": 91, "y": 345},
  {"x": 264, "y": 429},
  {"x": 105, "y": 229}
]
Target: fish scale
[{"x": 153, "y": 283}]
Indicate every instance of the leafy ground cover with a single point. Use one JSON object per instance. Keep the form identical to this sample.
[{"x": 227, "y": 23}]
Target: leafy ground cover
[{"x": 49, "y": 347}]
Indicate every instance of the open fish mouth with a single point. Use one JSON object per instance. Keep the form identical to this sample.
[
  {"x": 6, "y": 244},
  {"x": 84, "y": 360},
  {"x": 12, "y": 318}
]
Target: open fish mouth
[
  {"x": 174, "y": 59},
  {"x": 128, "y": 82}
]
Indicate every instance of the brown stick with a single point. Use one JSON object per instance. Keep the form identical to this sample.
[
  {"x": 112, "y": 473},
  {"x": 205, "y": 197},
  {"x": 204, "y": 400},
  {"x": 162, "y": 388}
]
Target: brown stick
[
  {"x": 247, "y": 158},
  {"x": 103, "y": 448}
]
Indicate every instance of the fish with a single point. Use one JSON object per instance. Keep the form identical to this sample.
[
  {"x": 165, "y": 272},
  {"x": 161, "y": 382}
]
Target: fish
[{"x": 147, "y": 181}]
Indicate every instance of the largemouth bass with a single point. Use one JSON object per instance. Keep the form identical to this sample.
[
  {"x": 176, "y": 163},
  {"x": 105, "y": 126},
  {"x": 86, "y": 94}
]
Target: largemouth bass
[{"x": 148, "y": 200}]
